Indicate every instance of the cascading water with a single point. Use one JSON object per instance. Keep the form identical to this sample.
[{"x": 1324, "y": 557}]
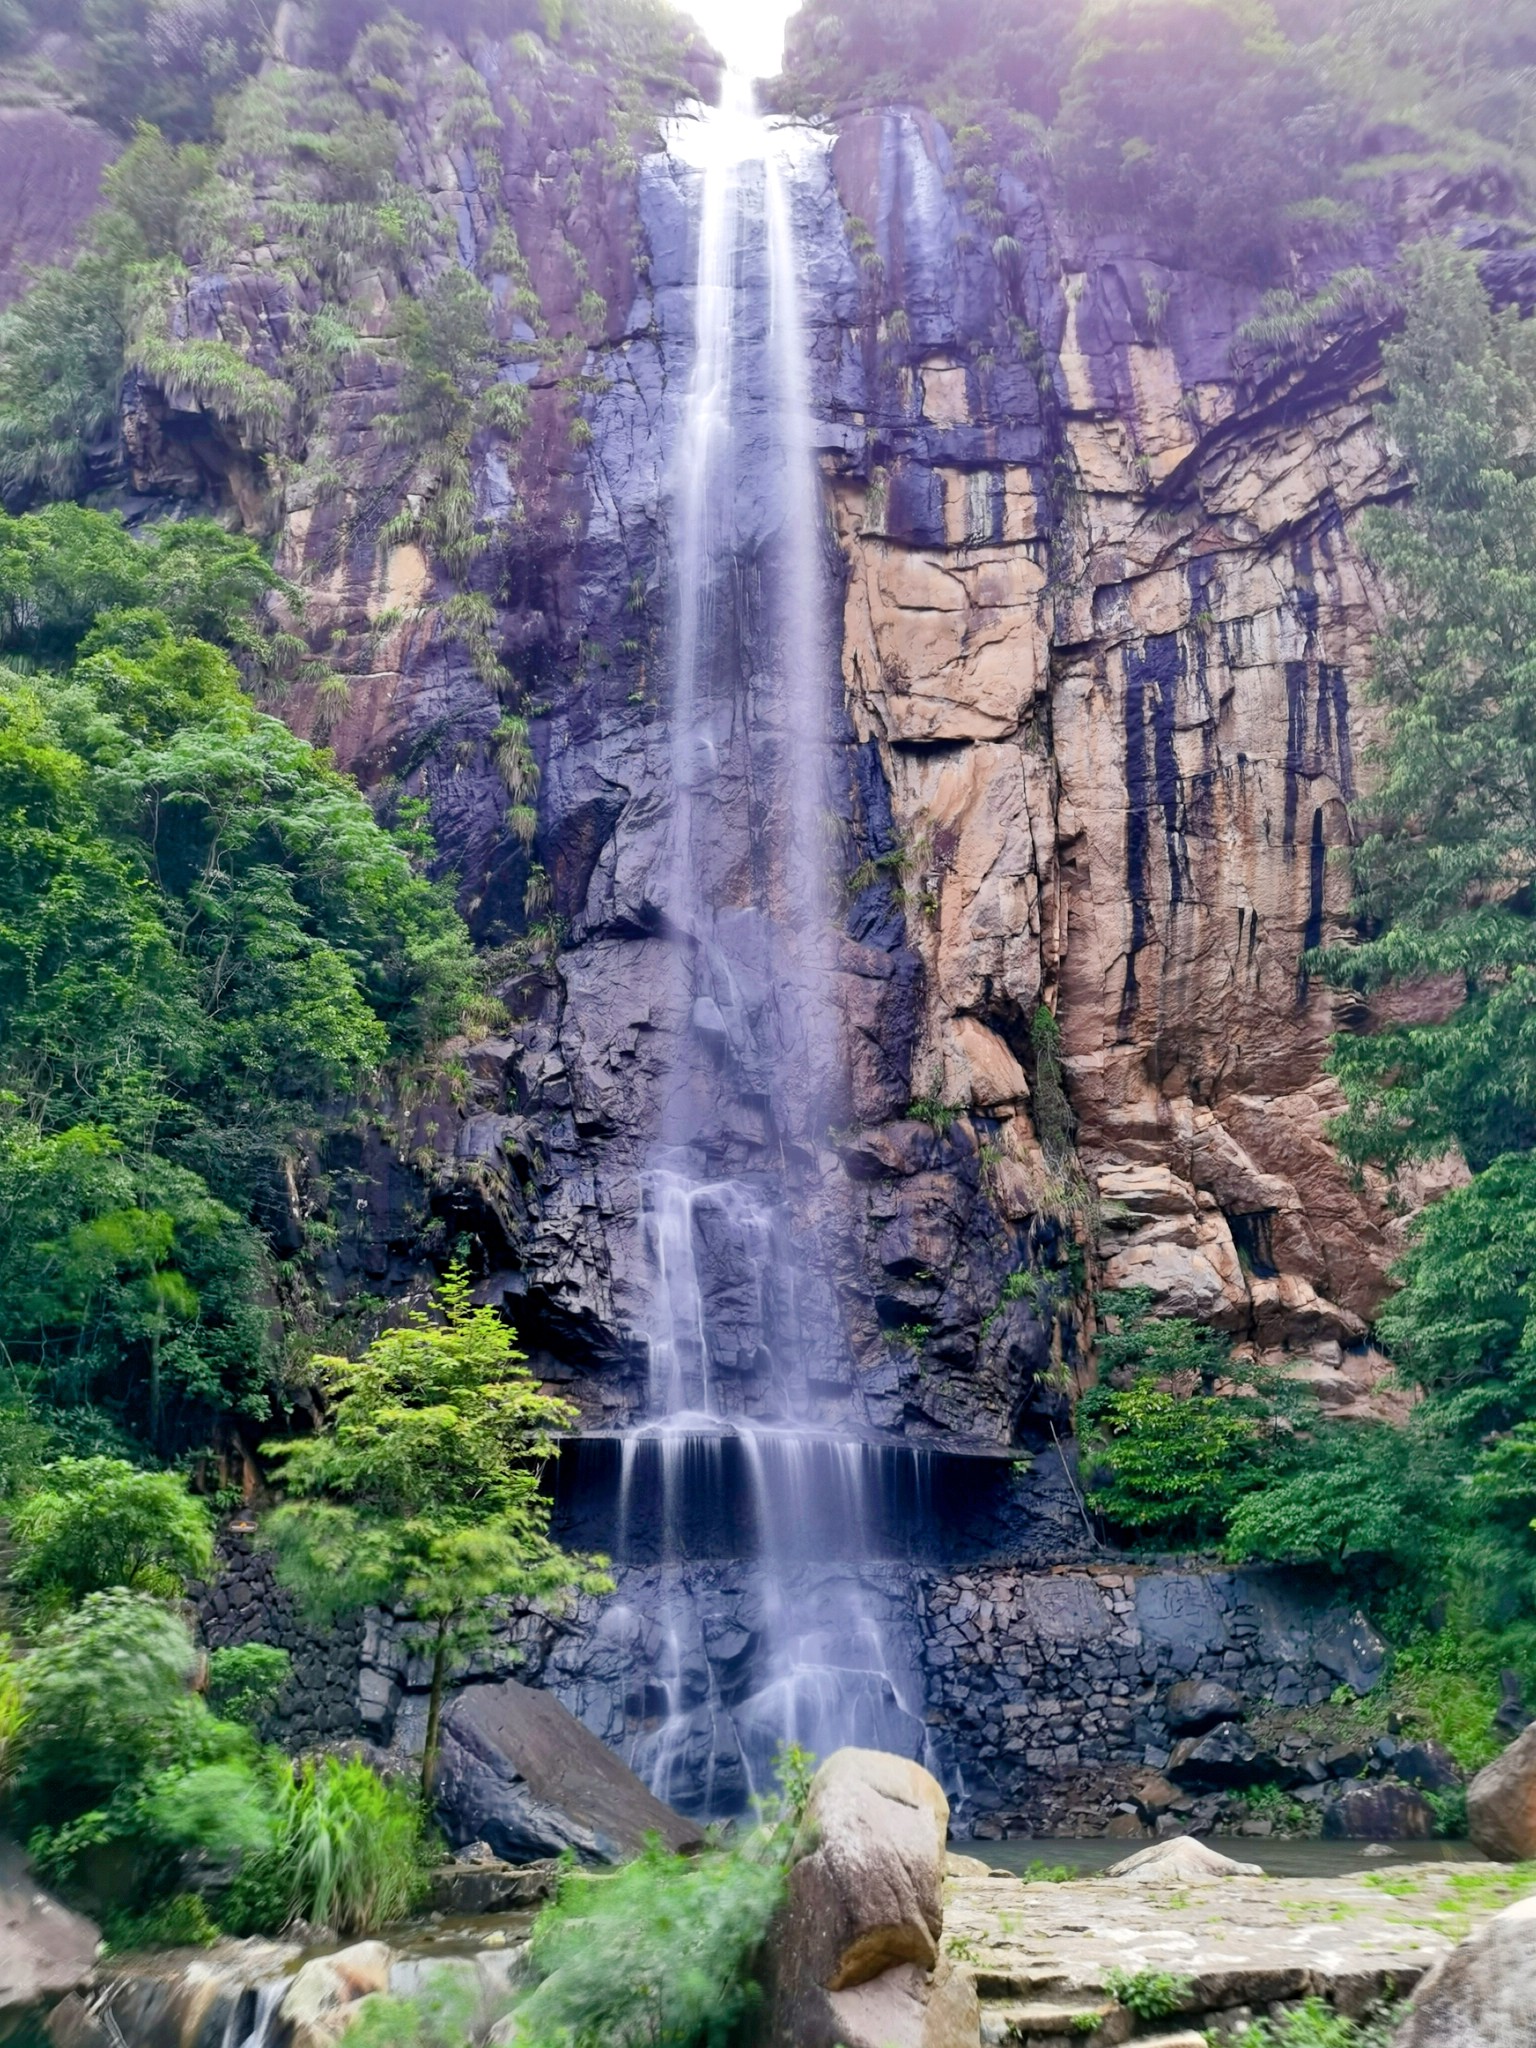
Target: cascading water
[{"x": 730, "y": 1401}]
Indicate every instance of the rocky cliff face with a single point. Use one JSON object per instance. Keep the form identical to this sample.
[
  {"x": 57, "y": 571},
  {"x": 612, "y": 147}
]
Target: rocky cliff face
[{"x": 1104, "y": 630}]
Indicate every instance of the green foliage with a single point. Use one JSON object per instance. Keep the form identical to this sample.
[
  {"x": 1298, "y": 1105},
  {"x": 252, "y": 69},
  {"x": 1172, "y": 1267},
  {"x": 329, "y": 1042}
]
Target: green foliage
[
  {"x": 245, "y": 1680},
  {"x": 423, "y": 1490},
  {"x": 91, "y": 1523},
  {"x": 1357, "y": 1496},
  {"x": 1315, "y": 2024},
  {"x": 180, "y": 1920},
  {"x": 1053, "y": 1112},
  {"x": 450, "y": 390},
  {"x": 205, "y": 940},
  {"x": 1196, "y": 118},
  {"x": 1150, "y": 1994},
  {"x": 347, "y": 1852},
  {"x": 660, "y": 1952},
  {"x": 1169, "y": 1456},
  {"x": 1450, "y": 865},
  {"x": 13, "y": 1714},
  {"x": 444, "y": 2012}
]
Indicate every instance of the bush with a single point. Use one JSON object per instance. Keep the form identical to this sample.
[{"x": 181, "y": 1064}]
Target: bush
[
  {"x": 661, "y": 1952},
  {"x": 108, "y": 1699},
  {"x": 349, "y": 1852},
  {"x": 91, "y": 1523},
  {"x": 244, "y": 1682}
]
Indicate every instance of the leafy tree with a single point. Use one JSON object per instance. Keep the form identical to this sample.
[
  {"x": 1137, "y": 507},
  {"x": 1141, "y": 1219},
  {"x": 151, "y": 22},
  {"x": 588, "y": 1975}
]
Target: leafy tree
[
  {"x": 206, "y": 940},
  {"x": 1198, "y": 119},
  {"x": 1360, "y": 1497},
  {"x": 91, "y": 1523},
  {"x": 1447, "y": 878},
  {"x": 422, "y": 1491}
]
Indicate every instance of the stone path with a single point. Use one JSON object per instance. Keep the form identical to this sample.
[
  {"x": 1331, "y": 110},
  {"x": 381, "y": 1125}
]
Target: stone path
[{"x": 1046, "y": 1956}]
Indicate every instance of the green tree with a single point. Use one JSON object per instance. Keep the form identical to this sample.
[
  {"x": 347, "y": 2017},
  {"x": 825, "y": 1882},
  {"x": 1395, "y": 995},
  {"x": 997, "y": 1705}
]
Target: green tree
[
  {"x": 423, "y": 1488},
  {"x": 1447, "y": 877},
  {"x": 1197, "y": 118},
  {"x": 91, "y": 1523}
]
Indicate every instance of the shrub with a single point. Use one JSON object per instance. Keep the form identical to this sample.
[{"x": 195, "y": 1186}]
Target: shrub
[
  {"x": 108, "y": 1700},
  {"x": 349, "y": 1852},
  {"x": 1150, "y": 1994},
  {"x": 660, "y": 1952},
  {"x": 244, "y": 1682},
  {"x": 13, "y": 1714},
  {"x": 91, "y": 1523}
]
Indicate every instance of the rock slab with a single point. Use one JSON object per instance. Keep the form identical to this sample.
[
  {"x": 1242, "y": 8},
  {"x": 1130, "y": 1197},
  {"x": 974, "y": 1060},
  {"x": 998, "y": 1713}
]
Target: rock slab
[
  {"x": 1501, "y": 1803},
  {"x": 45, "y": 1950},
  {"x": 519, "y": 1772},
  {"x": 1484, "y": 1993}
]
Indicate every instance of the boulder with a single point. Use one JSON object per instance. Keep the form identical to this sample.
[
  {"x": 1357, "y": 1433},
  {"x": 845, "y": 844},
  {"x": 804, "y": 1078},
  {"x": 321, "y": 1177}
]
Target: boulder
[
  {"x": 1181, "y": 1861},
  {"x": 321, "y": 2002},
  {"x": 1349, "y": 1649},
  {"x": 1228, "y": 1755},
  {"x": 1501, "y": 1803},
  {"x": 856, "y": 1949},
  {"x": 1196, "y": 1704},
  {"x": 1429, "y": 1765},
  {"x": 1483, "y": 1994},
  {"x": 1379, "y": 1811},
  {"x": 45, "y": 1950},
  {"x": 519, "y": 1772}
]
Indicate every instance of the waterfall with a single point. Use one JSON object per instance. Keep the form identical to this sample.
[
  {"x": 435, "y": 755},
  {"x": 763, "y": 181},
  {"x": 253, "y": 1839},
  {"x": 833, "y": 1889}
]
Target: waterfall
[{"x": 815, "y": 1651}]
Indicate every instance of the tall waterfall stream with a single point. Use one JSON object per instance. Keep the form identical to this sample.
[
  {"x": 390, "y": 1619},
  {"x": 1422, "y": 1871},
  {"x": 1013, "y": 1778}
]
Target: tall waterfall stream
[{"x": 824, "y": 1667}]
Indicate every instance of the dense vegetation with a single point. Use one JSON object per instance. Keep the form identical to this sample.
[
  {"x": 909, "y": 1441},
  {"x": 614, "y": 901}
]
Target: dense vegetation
[
  {"x": 208, "y": 945},
  {"x": 1230, "y": 131}
]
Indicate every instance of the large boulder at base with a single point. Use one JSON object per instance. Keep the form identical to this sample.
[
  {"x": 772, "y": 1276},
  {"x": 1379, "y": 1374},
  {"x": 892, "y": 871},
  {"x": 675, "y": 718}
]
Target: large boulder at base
[
  {"x": 1429, "y": 1765},
  {"x": 1379, "y": 1812},
  {"x": 1180, "y": 1861},
  {"x": 855, "y": 1951},
  {"x": 1196, "y": 1704},
  {"x": 519, "y": 1772},
  {"x": 45, "y": 1950},
  {"x": 1501, "y": 1803},
  {"x": 1483, "y": 1994}
]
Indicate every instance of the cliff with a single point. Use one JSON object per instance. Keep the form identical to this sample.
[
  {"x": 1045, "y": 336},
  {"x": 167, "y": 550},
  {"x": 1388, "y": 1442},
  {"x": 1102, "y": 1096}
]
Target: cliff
[{"x": 1104, "y": 626}]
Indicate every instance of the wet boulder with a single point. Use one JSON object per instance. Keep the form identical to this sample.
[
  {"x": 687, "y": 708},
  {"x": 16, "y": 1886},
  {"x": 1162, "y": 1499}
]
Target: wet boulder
[
  {"x": 45, "y": 1950},
  {"x": 1379, "y": 1811},
  {"x": 856, "y": 1948},
  {"x": 1349, "y": 1649},
  {"x": 1501, "y": 1803},
  {"x": 322, "y": 2001},
  {"x": 1483, "y": 1994},
  {"x": 1197, "y": 1704},
  {"x": 520, "y": 1773}
]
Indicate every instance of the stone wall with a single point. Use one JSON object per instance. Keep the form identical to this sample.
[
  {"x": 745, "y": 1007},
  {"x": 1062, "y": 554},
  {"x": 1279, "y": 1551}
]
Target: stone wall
[
  {"x": 243, "y": 1603},
  {"x": 1043, "y": 1690},
  {"x": 1050, "y": 1685}
]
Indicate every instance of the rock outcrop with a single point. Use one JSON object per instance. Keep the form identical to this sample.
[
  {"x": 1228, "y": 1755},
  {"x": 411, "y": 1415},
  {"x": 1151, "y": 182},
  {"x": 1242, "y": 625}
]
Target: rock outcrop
[
  {"x": 856, "y": 1948},
  {"x": 520, "y": 1773},
  {"x": 1501, "y": 1803},
  {"x": 1483, "y": 1995},
  {"x": 51, "y": 165},
  {"x": 45, "y": 1949}
]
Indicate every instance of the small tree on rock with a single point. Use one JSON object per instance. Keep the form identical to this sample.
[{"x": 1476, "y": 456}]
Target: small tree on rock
[{"x": 422, "y": 1490}]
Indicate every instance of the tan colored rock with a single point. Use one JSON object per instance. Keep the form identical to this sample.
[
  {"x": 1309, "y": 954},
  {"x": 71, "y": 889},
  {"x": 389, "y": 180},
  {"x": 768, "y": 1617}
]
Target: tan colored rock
[
  {"x": 866, "y": 1882},
  {"x": 1501, "y": 1803},
  {"x": 1483, "y": 1995},
  {"x": 904, "y": 2008},
  {"x": 322, "y": 2001},
  {"x": 1181, "y": 1861},
  {"x": 45, "y": 1949},
  {"x": 856, "y": 1949}
]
